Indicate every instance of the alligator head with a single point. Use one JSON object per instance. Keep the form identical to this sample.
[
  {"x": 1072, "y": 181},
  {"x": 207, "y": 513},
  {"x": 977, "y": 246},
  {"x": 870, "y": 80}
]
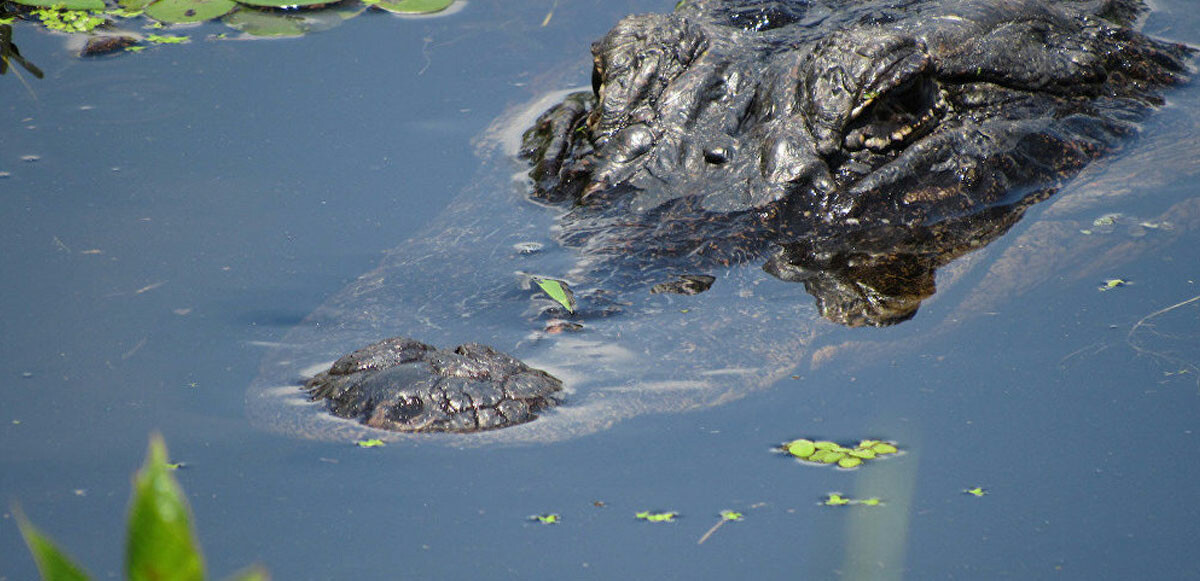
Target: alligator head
[{"x": 793, "y": 118}]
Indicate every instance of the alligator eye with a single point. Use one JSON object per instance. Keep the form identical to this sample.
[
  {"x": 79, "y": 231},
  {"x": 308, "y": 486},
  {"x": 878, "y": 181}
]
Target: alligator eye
[
  {"x": 905, "y": 111},
  {"x": 405, "y": 409}
]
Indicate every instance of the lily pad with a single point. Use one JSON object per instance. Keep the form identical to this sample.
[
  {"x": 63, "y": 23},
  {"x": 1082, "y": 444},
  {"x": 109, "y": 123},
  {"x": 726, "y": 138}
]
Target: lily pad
[
  {"x": 64, "y": 4},
  {"x": 267, "y": 24},
  {"x": 134, "y": 5},
  {"x": 182, "y": 11},
  {"x": 284, "y": 3},
  {"x": 413, "y": 6}
]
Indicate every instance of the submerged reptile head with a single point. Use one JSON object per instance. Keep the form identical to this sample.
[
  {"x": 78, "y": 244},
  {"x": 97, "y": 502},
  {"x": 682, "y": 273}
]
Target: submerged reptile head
[{"x": 891, "y": 110}]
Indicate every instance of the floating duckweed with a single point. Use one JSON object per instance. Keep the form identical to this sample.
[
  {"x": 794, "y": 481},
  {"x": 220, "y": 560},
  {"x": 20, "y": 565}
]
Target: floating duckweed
[
  {"x": 827, "y": 452},
  {"x": 850, "y": 462},
  {"x": 657, "y": 516},
  {"x": 166, "y": 39},
  {"x": 546, "y": 519},
  {"x": 801, "y": 448},
  {"x": 730, "y": 515},
  {"x": 372, "y": 443},
  {"x": 75, "y": 20},
  {"x": 836, "y": 499},
  {"x": 976, "y": 491},
  {"x": 1113, "y": 283}
]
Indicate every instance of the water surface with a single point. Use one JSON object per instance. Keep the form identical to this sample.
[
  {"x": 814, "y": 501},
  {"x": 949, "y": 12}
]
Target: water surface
[{"x": 190, "y": 204}]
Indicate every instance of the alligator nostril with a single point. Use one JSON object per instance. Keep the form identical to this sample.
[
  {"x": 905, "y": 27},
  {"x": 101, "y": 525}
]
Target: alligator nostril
[{"x": 716, "y": 155}]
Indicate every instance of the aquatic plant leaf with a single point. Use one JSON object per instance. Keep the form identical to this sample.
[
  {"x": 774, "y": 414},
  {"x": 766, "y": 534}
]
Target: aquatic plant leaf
[
  {"x": 183, "y": 11},
  {"x": 134, "y": 5},
  {"x": 64, "y": 4},
  {"x": 836, "y": 499},
  {"x": 413, "y": 6},
  {"x": 976, "y": 491},
  {"x": 372, "y": 443},
  {"x": 546, "y": 519},
  {"x": 800, "y": 448},
  {"x": 167, "y": 39},
  {"x": 884, "y": 448},
  {"x": 657, "y": 516},
  {"x": 557, "y": 290},
  {"x": 283, "y": 3},
  {"x": 850, "y": 462},
  {"x": 1113, "y": 283},
  {"x": 730, "y": 515},
  {"x": 52, "y": 563},
  {"x": 267, "y": 24},
  {"x": 160, "y": 543}
]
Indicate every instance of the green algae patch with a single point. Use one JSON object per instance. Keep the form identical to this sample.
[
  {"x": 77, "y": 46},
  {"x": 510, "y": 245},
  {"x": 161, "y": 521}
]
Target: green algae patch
[
  {"x": 826, "y": 452},
  {"x": 184, "y": 11},
  {"x": 557, "y": 290},
  {"x": 657, "y": 516}
]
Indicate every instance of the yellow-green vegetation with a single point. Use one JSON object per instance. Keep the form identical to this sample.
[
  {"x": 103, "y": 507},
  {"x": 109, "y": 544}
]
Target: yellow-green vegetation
[
  {"x": 64, "y": 20},
  {"x": 1112, "y": 283},
  {"x": 726, "y": 516},
  {"x": 557, "y": 290},
  {"x": 160, "y": 541},
  {"x": 546, "y": 519},
  {"x": 657, "y": 516},
  {"x": 836, "y": 499},
  {"x": 976, "y": 491},
  {"x": 827, "y": 452},
  {"x": 371, "y": 443}
]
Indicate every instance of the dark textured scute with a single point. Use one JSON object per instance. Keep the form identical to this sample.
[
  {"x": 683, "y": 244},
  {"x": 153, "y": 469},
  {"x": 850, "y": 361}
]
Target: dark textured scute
[{"x": 403, "y": 385}]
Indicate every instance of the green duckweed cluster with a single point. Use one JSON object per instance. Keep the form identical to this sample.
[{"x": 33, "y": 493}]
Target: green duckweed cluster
[{"x": 826, "y": 452}]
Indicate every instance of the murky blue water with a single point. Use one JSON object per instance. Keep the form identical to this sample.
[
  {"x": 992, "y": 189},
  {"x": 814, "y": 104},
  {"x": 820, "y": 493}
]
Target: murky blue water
[{"x": 188, "y": 205}]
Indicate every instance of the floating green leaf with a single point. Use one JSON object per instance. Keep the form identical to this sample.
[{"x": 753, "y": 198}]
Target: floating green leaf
[
  {"x": 850, "y": 462},
  {"x": 557, "y": 290},
  {"x": 546, "y": 519},
  {"x": 730, "y": 515},
  {"x": 976, "y": 491},
  {"x": 827, "y": 452},
  {"x": 183, "y": 11},
  {"x": 836, "y": 499},
  {"x": 166, "y": 39},
  {"x": 413, "y": 6},
  {"x": 160, "y": 543},
  {"x": 283, "y": 3},
  {"x": 267, "y": 24},
  {"x": 52, "y": 563},
  {"x": 801, "y": 448},
  {"x": 1113, "y": 283},
  {"x": 657, "y": 516},
  {"x": 371, "y": 443}
]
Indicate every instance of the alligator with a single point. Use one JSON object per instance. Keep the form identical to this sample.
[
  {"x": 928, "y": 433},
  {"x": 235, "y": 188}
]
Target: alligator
[{"x": 854, "y": 146}]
